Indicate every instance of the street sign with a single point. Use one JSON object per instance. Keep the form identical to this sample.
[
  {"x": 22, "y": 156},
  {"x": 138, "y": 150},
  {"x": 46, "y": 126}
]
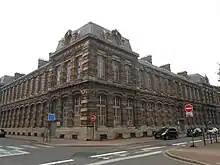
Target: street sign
[
  {"x": 93, "y": 117},
  {"x": 188, "y": 108},
  {"x": 189, "y": 114},
  {"x": 51, "y": 117}
]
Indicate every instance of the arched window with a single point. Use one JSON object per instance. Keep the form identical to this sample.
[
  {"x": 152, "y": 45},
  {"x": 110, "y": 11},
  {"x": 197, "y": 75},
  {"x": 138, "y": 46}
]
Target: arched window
[
  {"x": 77, "y": 110},
  {"x": 117, "y": 110},
  {"x": 143, "y": 113},
  {"x": 130, "y": 112},
  {"x": 63, "y": 115},
  {"x": 101, "y": 109},
  {"x": 43, "y": 114}
]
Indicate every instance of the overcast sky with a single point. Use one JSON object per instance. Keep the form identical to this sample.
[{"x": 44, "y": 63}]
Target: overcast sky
[{"x": 184, "y": 33}]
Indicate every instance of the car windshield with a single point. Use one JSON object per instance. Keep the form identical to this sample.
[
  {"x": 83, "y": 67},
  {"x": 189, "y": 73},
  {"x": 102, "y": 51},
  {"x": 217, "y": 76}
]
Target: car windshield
[{"x": 162, "y": 130}]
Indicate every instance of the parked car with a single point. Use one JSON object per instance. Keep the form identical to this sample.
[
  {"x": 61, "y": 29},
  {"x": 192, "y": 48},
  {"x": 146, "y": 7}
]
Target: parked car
[
  {"x": 212, "y": 130},
  {"x": 166, "y": 133},
  {"x": 2, "y": 133},
  {"x": 194, "y": 132}
]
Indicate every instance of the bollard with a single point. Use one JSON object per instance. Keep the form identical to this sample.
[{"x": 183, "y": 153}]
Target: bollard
[{"x": 216, "y": 138}]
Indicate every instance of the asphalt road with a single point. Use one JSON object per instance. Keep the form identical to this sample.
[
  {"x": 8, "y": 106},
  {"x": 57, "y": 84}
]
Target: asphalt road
[{"x": 20, "y": 152}]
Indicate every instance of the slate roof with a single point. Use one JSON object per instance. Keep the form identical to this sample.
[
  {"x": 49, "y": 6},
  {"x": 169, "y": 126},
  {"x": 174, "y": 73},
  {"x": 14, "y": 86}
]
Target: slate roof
[{"x": 96, "y": 30}]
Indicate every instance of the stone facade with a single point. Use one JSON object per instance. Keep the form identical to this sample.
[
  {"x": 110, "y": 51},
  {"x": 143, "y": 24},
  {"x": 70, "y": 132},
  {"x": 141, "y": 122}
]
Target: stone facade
[{"x": 95, "y": 71}]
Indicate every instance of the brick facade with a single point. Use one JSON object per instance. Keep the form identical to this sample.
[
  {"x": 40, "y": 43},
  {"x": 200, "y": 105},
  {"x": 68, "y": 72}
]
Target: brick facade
[{"x": 129, "y": 96}]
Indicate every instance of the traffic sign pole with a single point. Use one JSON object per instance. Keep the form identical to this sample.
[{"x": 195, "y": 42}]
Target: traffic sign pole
[
  {"x": 93, "y": 119},
  {"x": 189, "y": 113}
]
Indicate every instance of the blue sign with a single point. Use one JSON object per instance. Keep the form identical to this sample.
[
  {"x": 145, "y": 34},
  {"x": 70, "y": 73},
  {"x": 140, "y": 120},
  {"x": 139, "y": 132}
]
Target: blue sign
[{"x": 51, "y": 117}]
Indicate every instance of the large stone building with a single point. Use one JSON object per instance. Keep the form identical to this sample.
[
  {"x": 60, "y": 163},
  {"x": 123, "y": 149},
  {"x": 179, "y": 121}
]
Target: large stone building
[{"x": 95, "y": 71}]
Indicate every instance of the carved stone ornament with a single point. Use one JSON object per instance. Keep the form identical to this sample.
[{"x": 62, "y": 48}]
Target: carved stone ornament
[{"x": 107, "y": 35}]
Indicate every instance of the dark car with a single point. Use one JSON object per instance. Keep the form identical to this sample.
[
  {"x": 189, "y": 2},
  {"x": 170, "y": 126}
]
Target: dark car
[
  {"x": 194, "y": 132},
  {"x": 166, "y": 133},
  {"x": 2, "y": 133}
]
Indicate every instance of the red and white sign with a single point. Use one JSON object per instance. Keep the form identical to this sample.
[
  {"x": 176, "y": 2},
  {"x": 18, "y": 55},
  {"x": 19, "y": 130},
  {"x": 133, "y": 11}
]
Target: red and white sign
[
  {"x": 93, "y": 117},
  {"x": 188, "y": 108}
]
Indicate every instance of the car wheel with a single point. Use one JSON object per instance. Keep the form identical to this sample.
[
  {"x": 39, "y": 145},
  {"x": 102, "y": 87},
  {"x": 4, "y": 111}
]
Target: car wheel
[{"x": 176, "y": 137}]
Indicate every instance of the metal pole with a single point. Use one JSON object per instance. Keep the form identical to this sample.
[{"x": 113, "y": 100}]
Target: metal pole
[
  {"x": 203, "y": 134},
  {"x": 94, "y": 130},
  {"x": 193, "y": 143}
]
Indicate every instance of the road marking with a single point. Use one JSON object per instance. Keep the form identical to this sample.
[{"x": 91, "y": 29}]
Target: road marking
[
  {"x": 196, "y": 141},
  {"x": 6, "y": 152},
  {"x": 45, "y": 146},
  {"x": 152, "y": 148},
  {"x": 14, "y": 148},
  {"x": 58, "y": 162},
  {"x": 124, "y": 158},
  {"x": 136, "y": 147},
  {"x": 177, "y": 144},
  {"x": 28, "y": 146},
  {"x": 108, "y": 154}
]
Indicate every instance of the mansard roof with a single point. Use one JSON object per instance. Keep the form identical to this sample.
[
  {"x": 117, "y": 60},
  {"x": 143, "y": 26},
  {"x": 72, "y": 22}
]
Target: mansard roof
[
  {"x": 192, "y": 78},
  {"x": 112, "y": 36}
]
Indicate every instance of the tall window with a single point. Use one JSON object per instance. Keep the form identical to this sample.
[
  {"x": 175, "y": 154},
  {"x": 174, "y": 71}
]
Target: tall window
[
  {"x": 149, "y": 81},
  {"x": 101, "y": 106},
  {"x": 77, "y": 108},
  {"x": 79, "y": 67},
  {"x": 43, "y": 82},
  {"x": 143, "y": 112},
  {"x": 68, "y": 71},
  {"x": 63, "y": 115},
  {"x": 117, "y": 110},
  {"x": 101, "y": 66},
  {"x": 58, "y": 71},
  {"x": 116, "y": 71},
  {"x": 130, "y": 112},
  {"x": 33, "y": 85},
  {"x": 142, "y": 79},
  {"x": 39, "y": 83},
  {"x": 127, "y": 74}
]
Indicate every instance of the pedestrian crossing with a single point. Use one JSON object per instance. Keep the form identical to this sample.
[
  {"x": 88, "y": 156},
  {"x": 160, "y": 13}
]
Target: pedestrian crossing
[
  {"x": 128, "y": 153},
  {"x": 23, "y": 149}
]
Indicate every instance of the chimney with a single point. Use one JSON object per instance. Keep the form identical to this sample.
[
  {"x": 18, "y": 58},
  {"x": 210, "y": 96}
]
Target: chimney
[
  {"x": 18, "y": 75},
  {"x": 41, "y": 62},
  {"x": 166, "y": 66},
  {"x": 184, "y": 73},
  {"x": 147, "y": 58}
]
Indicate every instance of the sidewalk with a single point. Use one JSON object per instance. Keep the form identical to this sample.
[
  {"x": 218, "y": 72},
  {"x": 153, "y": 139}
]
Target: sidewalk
[
  {"x": 203, "y": 155},
  {"x": 80, "y": 143}
]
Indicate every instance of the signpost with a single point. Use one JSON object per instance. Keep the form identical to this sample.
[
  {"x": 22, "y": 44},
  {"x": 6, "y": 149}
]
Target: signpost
[
  {"x": 93, "y": 119},
  {"x": 51, "y": 118},
  {"x": 189, "y": 114}
]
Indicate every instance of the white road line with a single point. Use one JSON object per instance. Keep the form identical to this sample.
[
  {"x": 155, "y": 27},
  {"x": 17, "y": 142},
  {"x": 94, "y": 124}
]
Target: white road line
[
  {"x": 124, "y": 158},
  {"x": 136, "y": 147},
  {"x": 41, "y": 145},
  {"x": 177, "y": 144},
  {"x": 108, "y": 154},
  {"x": 13, "y": 147},
  {"x": 28, "y": 146},
  {"x": 152, "y": 148},
  {"x": 196, "y": 141},
  {"x": 58, "y": 162},
  {"x": 6, "y": 153}
]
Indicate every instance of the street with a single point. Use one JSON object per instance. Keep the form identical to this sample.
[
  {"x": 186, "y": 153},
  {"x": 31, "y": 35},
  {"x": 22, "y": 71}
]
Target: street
[{"x": 21, "y": 152}]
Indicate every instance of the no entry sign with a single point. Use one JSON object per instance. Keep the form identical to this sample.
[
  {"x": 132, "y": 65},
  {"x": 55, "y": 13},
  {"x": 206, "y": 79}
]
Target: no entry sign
[
  {"x": 188, "y": 108},
  {"x": 93, "y": 117}
]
